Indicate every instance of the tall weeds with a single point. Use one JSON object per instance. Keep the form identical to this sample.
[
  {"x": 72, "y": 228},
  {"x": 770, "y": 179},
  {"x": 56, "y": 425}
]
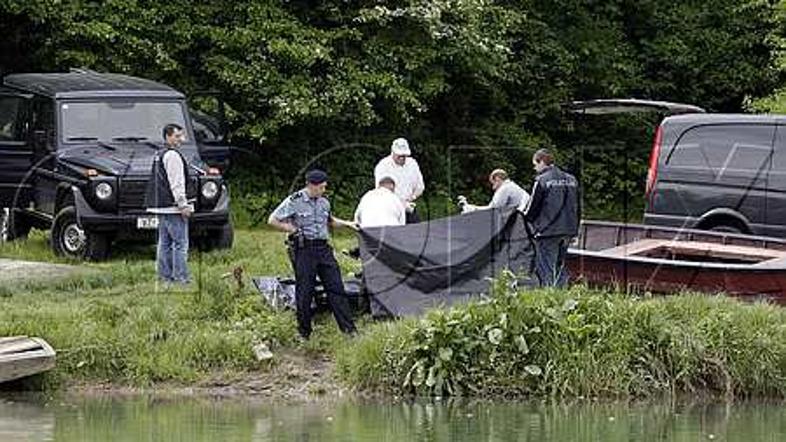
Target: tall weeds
[{"x": 577, "y": 342}]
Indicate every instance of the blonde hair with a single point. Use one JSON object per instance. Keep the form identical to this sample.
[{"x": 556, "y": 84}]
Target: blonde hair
[{"x": 498, "y": 173}]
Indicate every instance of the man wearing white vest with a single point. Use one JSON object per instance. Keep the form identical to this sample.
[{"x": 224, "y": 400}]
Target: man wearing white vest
[
  {"x": 170, "y": 193},
  {"x": 404, "y": 170}
]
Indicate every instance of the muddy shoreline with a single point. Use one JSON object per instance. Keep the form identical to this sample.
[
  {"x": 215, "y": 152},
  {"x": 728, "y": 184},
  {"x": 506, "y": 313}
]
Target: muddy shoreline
[{"x": 293, "y": 377}]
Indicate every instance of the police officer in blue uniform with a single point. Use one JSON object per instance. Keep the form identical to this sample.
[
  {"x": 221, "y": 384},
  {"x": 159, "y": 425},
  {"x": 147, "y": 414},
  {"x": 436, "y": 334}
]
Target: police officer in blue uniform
[
  {"x": 305, "y": 215},
  {"x": 554, "y": 214}
]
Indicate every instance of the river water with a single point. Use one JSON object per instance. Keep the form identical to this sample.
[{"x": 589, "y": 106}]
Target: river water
[{"x": 151, "y": 418}]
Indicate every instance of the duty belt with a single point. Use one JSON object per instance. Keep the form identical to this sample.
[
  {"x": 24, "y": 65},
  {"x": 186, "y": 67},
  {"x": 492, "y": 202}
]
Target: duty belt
[{"x": 299, "y": 242}]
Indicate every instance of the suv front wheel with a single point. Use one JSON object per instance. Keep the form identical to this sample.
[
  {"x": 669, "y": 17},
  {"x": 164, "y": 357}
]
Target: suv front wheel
[{"x": 71, "y": 240}]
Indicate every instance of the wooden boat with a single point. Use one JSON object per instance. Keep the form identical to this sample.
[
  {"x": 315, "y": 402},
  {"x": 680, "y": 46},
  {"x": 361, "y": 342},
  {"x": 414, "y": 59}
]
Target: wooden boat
[
  {"x": 666, "y": 260},
  {"x": 21, "y": 356}
]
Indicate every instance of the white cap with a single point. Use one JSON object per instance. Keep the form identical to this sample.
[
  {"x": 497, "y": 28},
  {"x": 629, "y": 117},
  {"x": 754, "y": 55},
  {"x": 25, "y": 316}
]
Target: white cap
[{"x": 400, "y": 146}]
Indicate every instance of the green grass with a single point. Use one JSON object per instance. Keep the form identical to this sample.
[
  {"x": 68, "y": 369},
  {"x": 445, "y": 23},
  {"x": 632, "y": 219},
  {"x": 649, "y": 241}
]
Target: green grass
[
  {"x": 115, "y": 325},
  {"x": 578, "y": 342}
]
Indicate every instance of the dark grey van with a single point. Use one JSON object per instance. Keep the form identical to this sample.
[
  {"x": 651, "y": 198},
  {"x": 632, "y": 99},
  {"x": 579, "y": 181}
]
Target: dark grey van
[
  {"x": 722, "y": 172},
  {"x": 76, "y": 151},
  {"x": 719, "y": 172}
]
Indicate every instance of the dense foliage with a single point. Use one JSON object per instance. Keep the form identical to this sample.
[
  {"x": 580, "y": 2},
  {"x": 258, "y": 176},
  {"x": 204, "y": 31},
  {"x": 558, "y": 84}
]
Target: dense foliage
[
  {"x": 340, "y": 79},
  {"x": 577, "y": 343}
]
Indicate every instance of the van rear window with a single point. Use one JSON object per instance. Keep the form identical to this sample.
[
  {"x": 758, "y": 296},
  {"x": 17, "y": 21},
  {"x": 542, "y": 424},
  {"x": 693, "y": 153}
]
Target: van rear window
[{"x": 724, "y": 147}]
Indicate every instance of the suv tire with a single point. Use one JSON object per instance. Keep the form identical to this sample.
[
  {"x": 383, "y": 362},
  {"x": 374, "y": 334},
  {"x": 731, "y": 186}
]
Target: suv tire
[
  {"x": 69, "y": 239},
  {"x": 12, "y": 226},
  {"x": 225, "y": 237}
]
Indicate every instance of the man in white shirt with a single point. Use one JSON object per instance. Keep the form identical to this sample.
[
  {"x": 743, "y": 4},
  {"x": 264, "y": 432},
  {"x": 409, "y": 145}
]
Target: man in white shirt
[
  {"x": 507, "y": 194},
  {"x": 406, "y": 173},
  {"x": 169, "y": 195},
  {"x": 381, "y": 206}
]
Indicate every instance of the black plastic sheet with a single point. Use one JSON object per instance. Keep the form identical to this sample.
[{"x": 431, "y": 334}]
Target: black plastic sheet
[{"x": 408, "y": 269}]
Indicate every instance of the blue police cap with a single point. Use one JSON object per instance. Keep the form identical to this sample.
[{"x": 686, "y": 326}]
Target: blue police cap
[{"x": 316, "y": 176}]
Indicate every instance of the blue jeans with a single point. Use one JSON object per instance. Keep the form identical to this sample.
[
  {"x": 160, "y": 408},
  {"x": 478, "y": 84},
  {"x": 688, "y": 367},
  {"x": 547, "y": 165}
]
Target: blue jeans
[
  {"x": 172, "y": 253},
  {"x": 550, "y": 255}
]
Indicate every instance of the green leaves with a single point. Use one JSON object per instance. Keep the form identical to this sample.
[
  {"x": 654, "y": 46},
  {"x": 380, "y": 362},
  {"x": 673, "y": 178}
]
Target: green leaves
[
  {"x": 282, "y": 65},
  {"x": 533, "y": 370},
  {"x": 605, "y": 344},
  {"x": 415, "y": 375},
  {"x": 310, "y": 76},
  {"x": 495, "y": 336},
  {"x": 521, "y": 343}
]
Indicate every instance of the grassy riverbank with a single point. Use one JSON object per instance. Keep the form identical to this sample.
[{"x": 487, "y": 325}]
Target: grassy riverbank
[
  {"x": 577, "y": 343},
  {"x": 113, "y": 325},
  {"x": 115, "y": 328}
]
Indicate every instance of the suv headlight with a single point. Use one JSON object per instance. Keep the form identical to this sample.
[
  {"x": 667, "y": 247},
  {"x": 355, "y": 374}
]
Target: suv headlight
[
  {"x": 104, "y": 191},
  {"x": 209, "y": 190}
]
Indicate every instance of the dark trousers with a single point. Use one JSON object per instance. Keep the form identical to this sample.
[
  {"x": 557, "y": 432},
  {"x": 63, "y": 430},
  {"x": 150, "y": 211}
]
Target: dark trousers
[
  {"x": 550, "y": 252},
  {"x": 412, "y": 217},
  {"x": 316, "y": 259}
]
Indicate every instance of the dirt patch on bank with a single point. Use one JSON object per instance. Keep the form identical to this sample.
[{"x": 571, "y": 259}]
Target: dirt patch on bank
[
  {"x": 15, "y": 271},
  {"x": 293, "y": 376}
]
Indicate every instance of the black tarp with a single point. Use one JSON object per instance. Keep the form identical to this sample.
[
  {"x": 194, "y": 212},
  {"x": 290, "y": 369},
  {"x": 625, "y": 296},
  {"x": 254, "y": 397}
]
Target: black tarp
[{"x": 408, "y": 269}]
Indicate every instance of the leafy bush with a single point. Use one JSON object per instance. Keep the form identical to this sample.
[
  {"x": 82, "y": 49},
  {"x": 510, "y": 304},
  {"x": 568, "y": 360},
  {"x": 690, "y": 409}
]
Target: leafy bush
[{"x": 577, "y": 342}]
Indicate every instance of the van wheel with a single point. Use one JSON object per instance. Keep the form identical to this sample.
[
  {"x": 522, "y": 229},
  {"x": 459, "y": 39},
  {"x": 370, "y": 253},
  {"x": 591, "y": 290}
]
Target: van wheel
[
  {"x": 725, "y": 229},
  {"x": 12, "y": 226},
  {"x": 725, "y": 226},
  {"x": 69, "y": 239}
]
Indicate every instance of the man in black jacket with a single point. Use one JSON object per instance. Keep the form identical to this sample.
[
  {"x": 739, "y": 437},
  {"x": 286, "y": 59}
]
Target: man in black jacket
[
  {"x": 170, "y": 193},
  {"x": 554, "y": 214}
]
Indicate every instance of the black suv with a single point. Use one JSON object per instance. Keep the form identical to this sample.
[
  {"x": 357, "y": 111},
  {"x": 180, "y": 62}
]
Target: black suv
[{"x": 76, "y": 151}]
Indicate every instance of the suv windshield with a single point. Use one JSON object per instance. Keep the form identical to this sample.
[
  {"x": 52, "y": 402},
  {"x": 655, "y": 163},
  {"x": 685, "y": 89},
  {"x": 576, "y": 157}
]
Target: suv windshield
[{"x": 109, "y": 121}]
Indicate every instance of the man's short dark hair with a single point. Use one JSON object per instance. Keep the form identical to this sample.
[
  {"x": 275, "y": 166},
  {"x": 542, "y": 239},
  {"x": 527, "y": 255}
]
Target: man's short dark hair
[
  {"x": 545, "y": 156},
  {"x": 387, "y": 180},
  {"x": 170, "y": 129}
]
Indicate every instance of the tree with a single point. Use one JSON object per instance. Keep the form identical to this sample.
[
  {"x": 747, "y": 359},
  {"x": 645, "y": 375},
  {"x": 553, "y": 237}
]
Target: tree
[{"x": 301, "y": 76}]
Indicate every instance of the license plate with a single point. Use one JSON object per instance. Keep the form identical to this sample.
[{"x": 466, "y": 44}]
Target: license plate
[{"x": 147, "y": 222}]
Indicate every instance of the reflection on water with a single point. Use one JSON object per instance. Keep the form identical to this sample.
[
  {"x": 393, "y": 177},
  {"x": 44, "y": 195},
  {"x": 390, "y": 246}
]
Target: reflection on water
[{"x": 188, "y": 419}]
